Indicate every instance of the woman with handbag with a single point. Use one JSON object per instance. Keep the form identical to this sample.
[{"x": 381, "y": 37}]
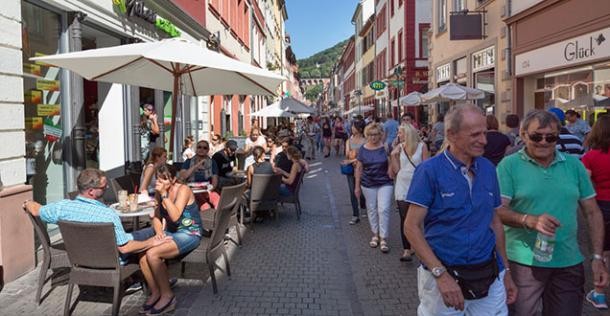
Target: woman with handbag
[
  {"x": 340, "y": 135},
  {"x": 405, "y": 157},
  {"x": 374, "y": 180},
  {"x": 352, "y": 145}
]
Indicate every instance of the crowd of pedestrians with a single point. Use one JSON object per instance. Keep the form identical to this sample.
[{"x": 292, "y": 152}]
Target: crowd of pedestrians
[{"x": 491, "y": 215}]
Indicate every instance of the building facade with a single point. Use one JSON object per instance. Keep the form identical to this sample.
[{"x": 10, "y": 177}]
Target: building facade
[
  {"x": 56, "y": 123},
  {"x": 567, "y": 64},
  {"x": 480, "y": 61}
]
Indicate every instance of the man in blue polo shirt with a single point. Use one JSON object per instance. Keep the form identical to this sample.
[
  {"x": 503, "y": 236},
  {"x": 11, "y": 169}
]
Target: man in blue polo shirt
[
  {"x": 87, "y": 209},
  {"x": 454, "y": 197}
]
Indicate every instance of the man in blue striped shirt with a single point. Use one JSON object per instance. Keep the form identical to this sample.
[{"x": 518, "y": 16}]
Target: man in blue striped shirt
[{"x": 86, "y": 208}]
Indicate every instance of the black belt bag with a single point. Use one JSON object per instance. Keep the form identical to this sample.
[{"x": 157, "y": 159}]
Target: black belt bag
[{"x": 475, "y": 280}]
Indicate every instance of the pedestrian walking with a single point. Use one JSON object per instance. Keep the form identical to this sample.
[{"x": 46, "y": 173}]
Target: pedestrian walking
[
  {"x": 541, "y": 191},
  {"x": 405, "y": 157},
  {"x": 576, "y": 125},
  {"x": 497, "y": 143},
  {"x": 438, "y": 133},
  {"x": 340, "y": 135},
  {"x": 149, "y": 130},
  {"x": 597, "y": 163},
  {"x": 453, "y": 226},
  {"x": 567, "y": 142},
  {"x": 309, "y": 133},
  {"x": 352, "y": 146},
  {"x": 373, "y": 179},
  {"x": 390, "y": 130},
  {"x": 327, "y": 134}
]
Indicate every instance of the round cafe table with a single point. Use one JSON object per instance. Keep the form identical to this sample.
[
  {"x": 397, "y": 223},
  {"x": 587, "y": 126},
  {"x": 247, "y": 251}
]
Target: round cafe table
[{"x": 146, "y": 210}]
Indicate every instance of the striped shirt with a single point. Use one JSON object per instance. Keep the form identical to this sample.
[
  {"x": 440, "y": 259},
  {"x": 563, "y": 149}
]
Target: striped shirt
[
  {"x": 87, "y": 211},
  {"x": 569, "y": 143}
]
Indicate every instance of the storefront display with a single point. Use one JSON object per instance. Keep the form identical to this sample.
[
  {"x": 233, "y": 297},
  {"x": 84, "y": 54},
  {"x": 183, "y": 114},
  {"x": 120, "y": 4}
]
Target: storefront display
[{"x": 42, "y": 103}]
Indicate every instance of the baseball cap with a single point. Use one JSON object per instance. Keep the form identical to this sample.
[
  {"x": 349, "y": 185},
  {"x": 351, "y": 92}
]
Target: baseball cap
[
  {"x": 558, "y": 112},
  {"x": 231, "y": 144}
]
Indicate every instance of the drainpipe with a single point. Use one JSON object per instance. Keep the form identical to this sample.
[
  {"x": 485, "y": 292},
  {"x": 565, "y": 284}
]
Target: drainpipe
[{"x": 73, "y": 125}]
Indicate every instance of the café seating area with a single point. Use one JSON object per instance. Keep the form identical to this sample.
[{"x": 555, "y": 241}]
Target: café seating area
[{"x": 90, "y": 253}]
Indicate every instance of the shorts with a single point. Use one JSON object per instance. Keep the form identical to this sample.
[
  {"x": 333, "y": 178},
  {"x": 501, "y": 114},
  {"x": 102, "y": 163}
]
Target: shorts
[
  {"x": 604, "y": 206},
  {"x": 184, "y": 241}
]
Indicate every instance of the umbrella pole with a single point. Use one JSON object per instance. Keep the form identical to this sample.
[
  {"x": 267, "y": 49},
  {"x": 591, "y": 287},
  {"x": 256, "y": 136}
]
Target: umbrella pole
[{"x": 175, "y": 92}]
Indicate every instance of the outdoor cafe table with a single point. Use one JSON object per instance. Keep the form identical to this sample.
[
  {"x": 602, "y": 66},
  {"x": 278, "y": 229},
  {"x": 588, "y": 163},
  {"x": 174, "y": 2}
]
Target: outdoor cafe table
[{"x": 144, "y": 210}]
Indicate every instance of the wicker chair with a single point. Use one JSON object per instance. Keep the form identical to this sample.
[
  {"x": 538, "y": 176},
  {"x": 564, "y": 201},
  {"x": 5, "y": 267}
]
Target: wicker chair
[
  {"x": 264, "y": 193},
  {"x": 94, "y": 257},
  {"x": 294, "y": 197},
  {"x": 210, "y": 250},
  {"x": 53, "y": 255}
]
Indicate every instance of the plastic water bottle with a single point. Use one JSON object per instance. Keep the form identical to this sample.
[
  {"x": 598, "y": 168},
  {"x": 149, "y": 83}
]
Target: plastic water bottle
[{"x": 543, "y": 250}]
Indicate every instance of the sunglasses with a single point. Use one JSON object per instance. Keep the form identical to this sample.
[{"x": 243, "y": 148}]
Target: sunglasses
[
  {"x": 203, "y": 147},
  {"x": 549, "y": 138}
]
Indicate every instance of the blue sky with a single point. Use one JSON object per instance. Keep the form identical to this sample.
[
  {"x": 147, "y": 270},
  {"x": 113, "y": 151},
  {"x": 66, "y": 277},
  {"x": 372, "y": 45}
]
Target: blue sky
[{"x": 315, "y": 25}]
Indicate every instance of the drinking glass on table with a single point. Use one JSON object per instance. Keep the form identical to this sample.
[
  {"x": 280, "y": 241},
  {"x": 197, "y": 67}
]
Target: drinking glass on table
[
  {"x": 133, "y": 202},
  {"x": 122, "y": 197}
]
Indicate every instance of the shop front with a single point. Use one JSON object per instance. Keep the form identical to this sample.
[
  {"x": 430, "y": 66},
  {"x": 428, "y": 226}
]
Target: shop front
[
  {"x": 483, "y": 75},
  {"x": 571, "y": 74},
  {"x": 71, "y": 123},
  {"x": 566, "y": 67}
]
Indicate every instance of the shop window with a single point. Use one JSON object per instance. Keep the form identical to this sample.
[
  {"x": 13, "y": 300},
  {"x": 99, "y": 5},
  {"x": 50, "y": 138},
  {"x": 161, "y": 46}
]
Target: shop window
[
  {"x": 42, "y": 104},
  {"x": 442, "y": 15},
  {"x": 585, "y": 89}
]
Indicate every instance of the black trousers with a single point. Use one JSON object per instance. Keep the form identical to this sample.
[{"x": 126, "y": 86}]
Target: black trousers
[{"x": 403, "y": 207}]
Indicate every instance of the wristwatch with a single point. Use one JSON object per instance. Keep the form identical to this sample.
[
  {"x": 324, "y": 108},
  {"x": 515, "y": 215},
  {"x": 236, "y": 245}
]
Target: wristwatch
[
  {"x": 598, "y": 257},
  {"x": 438, "y": 271}
]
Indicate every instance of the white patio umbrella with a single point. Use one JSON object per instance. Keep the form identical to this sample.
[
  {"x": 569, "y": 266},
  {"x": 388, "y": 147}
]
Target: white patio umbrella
[
  {"x": 452, "y": 92},
  {"x": 175, "y": 65},
  {"x": 413, "y": 98},
  {"x": 360, "y": 109},
  {"x": 272, "y": 110},
  {"x": 293, "y": 105}
]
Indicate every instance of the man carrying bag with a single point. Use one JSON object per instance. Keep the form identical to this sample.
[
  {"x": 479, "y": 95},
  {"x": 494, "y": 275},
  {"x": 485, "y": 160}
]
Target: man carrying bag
[{"x": 454, "y": 197}]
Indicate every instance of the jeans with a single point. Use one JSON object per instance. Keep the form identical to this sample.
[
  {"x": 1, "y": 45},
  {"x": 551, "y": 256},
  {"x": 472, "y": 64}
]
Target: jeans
[
  {"x": 403, "y": 207},
  {"x": 378, "y": 205},
  {"x": 351, "y": 184}
]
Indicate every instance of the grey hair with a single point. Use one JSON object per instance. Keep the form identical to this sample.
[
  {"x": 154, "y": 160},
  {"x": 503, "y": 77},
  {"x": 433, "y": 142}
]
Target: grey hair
[
  {"x": 455, "y": 116},
  {"x": 544, "y": 118},
  {"x": 89, "y": 179}
]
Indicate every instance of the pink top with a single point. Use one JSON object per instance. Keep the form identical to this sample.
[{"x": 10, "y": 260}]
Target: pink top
[{"x": 599, "y": 164}]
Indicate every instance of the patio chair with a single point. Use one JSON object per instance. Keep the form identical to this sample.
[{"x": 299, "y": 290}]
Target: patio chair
[
  {"x": 264, "y": 193},
  {"x": 294, "y": 197},
  {"x": 53, "y": 255},
  {"x": 210, "y": 250},
  {"x": 94, "y": 257},
  {"x": 227, "y": 194}
]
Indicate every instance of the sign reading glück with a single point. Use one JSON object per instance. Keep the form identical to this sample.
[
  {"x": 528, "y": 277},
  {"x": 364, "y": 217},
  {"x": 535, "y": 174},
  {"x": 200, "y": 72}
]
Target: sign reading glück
[{"x": 586, "y": 48}]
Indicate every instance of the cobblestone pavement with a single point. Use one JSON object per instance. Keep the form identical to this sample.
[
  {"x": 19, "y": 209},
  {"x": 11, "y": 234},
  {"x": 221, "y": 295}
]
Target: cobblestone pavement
[{"x": 319, "y": 265}]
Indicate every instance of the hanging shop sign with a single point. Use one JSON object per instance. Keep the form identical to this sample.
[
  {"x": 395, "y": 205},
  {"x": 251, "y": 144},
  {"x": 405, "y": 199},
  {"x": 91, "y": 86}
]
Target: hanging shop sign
[
  {"x": 136, "y": 8},
  {"x": 483, "y": 59},
  {"x": 582, "y": 49},
  {"x": 443, "y": 72},
  {"x": 377, "y": 85}
]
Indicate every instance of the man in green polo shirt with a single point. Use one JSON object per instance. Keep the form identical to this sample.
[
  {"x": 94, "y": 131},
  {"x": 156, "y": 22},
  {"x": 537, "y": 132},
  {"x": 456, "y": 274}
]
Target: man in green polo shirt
[{"x": 541, "y": 189}]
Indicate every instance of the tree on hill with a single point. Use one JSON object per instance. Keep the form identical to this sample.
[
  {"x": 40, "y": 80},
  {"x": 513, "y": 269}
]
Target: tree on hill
[
  {"x": 312, "y": 93},
  {"x": 321, "y": 63}
]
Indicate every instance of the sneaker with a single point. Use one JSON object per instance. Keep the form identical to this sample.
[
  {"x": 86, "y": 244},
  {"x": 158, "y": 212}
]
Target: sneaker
[
  {"x": 598, "y": 300},
  {"x": 134, "y": 287},
  {"x": 355, "y": 220}
]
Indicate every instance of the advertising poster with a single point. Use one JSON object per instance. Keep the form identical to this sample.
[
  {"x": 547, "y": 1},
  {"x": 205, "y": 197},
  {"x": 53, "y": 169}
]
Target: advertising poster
[
  {"x": 33, "y": 97},
  {"x": 33, "y": 69},
  {"x": 47, "y": 109},
  {"x": 33, "y": 123},
  {"x": 51, "y": 131},
  {"x": 48, "y": 85}
]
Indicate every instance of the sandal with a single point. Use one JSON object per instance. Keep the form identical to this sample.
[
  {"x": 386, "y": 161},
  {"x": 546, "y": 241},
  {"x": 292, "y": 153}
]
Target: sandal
[
  {"x": 374, "y": 242},
  {"x": 384, "y": 246}
]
